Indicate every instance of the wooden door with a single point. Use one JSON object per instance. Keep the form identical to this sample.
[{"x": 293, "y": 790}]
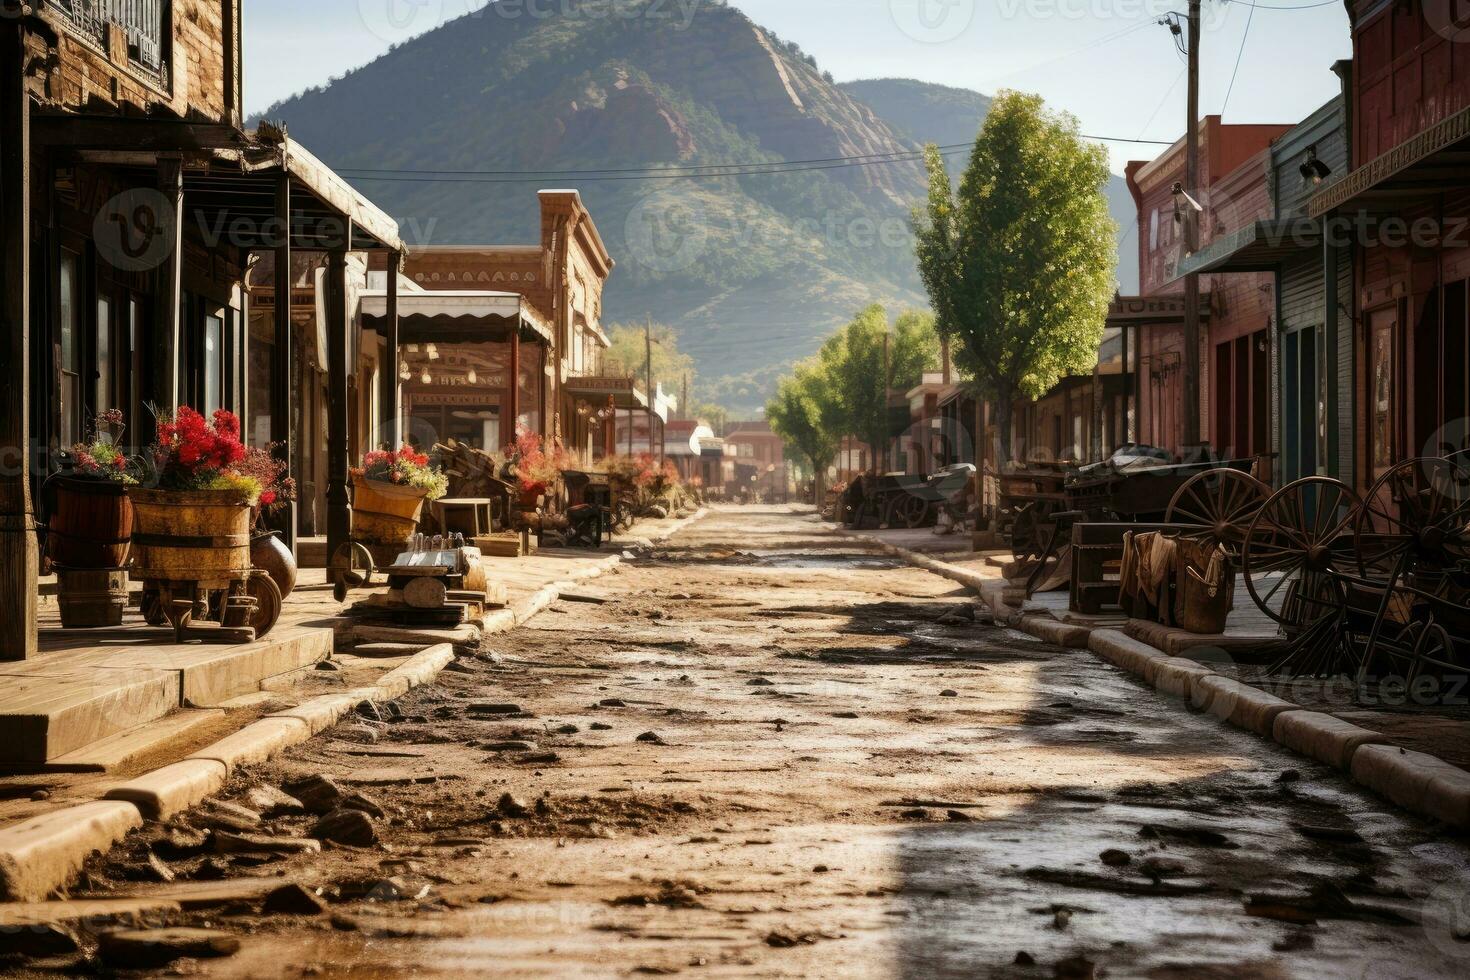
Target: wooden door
[{"x": 1383, "y": 394}]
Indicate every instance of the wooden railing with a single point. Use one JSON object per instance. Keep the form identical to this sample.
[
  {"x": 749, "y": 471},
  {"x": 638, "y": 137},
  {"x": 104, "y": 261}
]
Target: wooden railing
[{"x": 144, "y": 22}]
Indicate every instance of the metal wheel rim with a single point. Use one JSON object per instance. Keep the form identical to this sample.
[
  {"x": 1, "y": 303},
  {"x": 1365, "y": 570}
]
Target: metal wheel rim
[
  {"x": 1440, "y": 492},
  {"x": 1272, "y": 547},
  {"x": 1233, "y": 504}
]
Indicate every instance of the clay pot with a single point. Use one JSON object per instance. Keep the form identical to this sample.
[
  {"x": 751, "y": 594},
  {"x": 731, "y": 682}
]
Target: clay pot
[{"x": 270, "y": 554}]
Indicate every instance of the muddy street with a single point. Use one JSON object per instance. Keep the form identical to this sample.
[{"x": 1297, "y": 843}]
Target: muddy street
[{"x": 764, "y": 750}]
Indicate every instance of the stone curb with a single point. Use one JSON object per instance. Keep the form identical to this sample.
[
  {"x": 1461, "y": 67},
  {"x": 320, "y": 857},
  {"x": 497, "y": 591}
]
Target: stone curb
[
  {"x": 420, "y": 669},
  {"x": 1240, "y": 704},
  {"x": 164, "y": 792},
  {"x": 256, "y": 743},
  {"x": 1421, "y": 783},
  {"x": 1323, "y": 737},
  {"x": 39, "y": 855}
]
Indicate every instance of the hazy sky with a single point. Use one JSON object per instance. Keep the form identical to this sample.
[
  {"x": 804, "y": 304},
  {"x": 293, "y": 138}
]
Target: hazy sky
[{"x": 1107, "y": 61}]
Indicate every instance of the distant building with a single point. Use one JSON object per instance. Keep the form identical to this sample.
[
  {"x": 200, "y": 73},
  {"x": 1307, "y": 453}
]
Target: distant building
[{"x": 755, "y": 460}]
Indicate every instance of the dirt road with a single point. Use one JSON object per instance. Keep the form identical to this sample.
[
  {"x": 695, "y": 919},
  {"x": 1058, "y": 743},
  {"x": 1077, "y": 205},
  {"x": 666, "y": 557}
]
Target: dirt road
[{"x": 764, "y": 751}]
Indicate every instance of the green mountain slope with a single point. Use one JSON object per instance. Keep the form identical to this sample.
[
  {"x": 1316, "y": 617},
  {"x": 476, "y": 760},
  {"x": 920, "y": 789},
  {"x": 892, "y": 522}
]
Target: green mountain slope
[
  {"x": 927, "y": 113},
  {"x": 453, "y": 132}
]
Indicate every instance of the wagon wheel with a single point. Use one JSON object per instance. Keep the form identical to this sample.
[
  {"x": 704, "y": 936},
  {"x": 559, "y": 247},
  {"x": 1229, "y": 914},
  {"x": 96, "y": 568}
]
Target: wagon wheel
[
  {"x": 267, "y": 595},
  {"x": 344, "y": 564},
  {"x": 1419, "y": 509},
  {"x": 914, "y": 511},
  {"x": 1223, "y": 503},
  {"x": 1295, "y": 546}
]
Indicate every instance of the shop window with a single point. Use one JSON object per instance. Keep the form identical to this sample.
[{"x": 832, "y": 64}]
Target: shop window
[
  {"x": 105, "y": 366},
  {"x": 213, "y": 393},
  {"x": 70, "y": 344}
]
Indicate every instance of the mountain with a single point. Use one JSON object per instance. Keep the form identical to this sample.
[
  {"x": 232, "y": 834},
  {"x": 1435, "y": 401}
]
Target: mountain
[
  {"x": 926, "y": 113},
  {"x": 454, "y": 131}
]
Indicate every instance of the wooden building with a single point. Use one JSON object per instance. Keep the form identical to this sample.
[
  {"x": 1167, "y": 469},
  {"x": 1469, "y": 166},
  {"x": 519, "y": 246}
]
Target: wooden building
[
  {"x": 134, "y": 201},
  {"x": 1236, "y": 312},
  {"x": 1403, "y": 215},
  {"x": 455, "y": 376},
  {"x": 1307, "y": 429}
]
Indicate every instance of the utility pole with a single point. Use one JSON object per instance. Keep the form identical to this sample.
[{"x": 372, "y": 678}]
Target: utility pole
[
  {"x": 887, "y": 384},
  {"x": 1191, "y": 241}
]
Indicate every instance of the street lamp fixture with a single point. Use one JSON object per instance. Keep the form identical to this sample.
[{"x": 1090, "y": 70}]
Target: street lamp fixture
[{"x": 1314, "y": 171}]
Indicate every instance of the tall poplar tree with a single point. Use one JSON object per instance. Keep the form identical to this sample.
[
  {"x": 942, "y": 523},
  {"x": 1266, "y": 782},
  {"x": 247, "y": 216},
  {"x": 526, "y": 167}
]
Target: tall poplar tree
[{"x": 1020, "y": 263}]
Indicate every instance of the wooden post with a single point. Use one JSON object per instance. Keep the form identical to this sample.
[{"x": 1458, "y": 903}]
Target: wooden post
[
  {"x": 339, "y": 513},
  {"x": 1191, "y": 378},
  {"x": 283, "y": 367},
  {"x": 512, "y": 391},
  {"x": 19, "y": 549},
  {"x": 392, "y": 407},
  {"x": 167, "y": 385},
  {"x": 1331, "y": 339},
  {"x": 1127, "y": 390}
]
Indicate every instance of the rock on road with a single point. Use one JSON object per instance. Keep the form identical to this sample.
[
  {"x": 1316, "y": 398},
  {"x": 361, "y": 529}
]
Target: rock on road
[{"x": 763, "y": 750}]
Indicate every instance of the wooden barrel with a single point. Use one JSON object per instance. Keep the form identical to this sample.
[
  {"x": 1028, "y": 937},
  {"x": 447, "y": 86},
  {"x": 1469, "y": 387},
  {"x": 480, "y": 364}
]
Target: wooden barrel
[
  {"x": 385, "y": 513},
  {"x": 92, "y": 599},
  {"x": 91, "y": 523},
  {"x": 197, "y": 536}
]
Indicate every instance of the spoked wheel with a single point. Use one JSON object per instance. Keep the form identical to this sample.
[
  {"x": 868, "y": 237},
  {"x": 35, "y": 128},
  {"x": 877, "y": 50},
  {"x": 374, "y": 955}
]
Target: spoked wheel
[
  {"x": 268, "y": 601},
  {"x": 1419, "y": 510},
  {"x": 1222, "y": 503},
  {"x": 913, "y": 511},
  {"x": 1296, "y": 547}
]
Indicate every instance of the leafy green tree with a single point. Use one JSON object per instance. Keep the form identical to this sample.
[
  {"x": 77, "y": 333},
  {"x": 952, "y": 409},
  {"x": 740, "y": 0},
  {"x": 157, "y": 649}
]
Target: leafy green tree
[
  {"x": 1020, "y": 262},
  {"x": 854, "y": 361},
  {"x": 806, "y": 413},
  {"x": 628, "y": 356}
]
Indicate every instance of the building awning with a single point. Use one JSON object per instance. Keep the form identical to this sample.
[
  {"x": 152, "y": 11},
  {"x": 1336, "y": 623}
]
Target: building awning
[
  {"x": 623, "y": 392},
  {"x": 1432, "y": 161},
  {"x": 455, "y": 316},
  {"x": 1258, "y": 247},
  {"x": 230, "y": 178}
]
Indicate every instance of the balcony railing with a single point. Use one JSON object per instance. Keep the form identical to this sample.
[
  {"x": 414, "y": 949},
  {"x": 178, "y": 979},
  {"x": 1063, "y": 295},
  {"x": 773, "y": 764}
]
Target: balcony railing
[{"x": 144, "y": 22}]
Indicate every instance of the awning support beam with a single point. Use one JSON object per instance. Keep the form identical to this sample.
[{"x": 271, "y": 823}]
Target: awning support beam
[
  {"x": 19, "y": 549},
  {"x": 339, "y": 511},
  {"x": 283, "y": 366}
]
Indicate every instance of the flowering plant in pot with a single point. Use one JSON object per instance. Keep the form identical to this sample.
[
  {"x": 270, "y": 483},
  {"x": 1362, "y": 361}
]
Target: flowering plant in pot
[
  {"x": 536, "y": 469},
  {"x": 90, "y": 518},
  {"x": 389, "y": 491},
  {"x": 193, "y": 512},
  {"x": 407, "y": 468}
]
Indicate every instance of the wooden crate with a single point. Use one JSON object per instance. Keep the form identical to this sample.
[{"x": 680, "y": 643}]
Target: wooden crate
[{"x": 506, "y": 545}]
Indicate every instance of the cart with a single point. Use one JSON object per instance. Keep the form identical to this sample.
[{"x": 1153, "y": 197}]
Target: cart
[{"x": 1364, "y": 584}]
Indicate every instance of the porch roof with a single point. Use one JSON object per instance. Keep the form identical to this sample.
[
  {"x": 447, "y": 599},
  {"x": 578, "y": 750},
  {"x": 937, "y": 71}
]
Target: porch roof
[
  {"x": 1431, "y": 162},
  {"x": 231, "y": 178},
  {"x": 1258, "y": 247},
  {"x": 455, "y": 316},
  {"x": 624, "y": 392}
]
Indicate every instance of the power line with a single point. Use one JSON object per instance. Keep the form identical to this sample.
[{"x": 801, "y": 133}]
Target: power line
[
  {"x": 1244, "y": 37},
  {"x": 708, "y": 172}
]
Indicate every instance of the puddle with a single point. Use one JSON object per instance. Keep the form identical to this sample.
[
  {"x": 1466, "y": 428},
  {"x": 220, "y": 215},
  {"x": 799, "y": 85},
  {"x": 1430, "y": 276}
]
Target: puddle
[{"x": 820, "y": 560}]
